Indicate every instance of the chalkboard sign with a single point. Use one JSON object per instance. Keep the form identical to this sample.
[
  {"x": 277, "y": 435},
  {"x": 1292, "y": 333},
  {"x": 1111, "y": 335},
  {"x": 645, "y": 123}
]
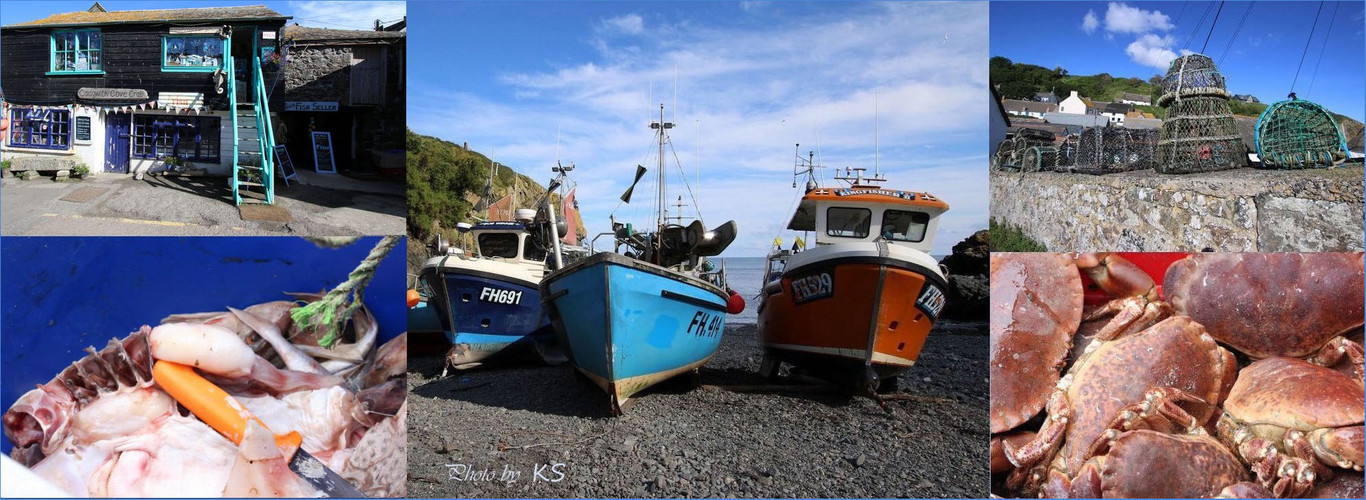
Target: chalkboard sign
[
  {"x": 286, "y": 165},
  {"x": 322, "y": 153},
  {"x": 82, "y": 129}
]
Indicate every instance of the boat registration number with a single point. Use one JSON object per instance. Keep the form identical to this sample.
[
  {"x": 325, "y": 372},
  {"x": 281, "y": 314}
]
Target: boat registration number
[
  {"x": 705, "y": 325},
  {"x": 815, "y": 286},
  {"x": 500, "y": 296},
  {"x": 931, "y": 301}
]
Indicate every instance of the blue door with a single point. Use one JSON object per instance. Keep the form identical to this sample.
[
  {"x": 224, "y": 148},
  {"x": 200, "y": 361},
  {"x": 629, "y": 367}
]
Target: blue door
[{"x": 116, "y": 131}]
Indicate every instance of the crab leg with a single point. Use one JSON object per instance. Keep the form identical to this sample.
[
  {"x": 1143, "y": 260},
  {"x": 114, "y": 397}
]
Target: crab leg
[
  {"x": 1159, "y": 409},
  {"x": 1338, "y": 348}
]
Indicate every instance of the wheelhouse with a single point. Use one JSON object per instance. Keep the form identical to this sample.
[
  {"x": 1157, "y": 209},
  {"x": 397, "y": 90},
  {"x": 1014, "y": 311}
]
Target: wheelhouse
[{"x": 862, "y": 213}]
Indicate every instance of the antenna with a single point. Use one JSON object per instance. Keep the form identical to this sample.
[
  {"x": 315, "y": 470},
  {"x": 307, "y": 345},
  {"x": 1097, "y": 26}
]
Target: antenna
[
  {"x": 875, "y": 135},
  {"x": 806, "y": 166}
]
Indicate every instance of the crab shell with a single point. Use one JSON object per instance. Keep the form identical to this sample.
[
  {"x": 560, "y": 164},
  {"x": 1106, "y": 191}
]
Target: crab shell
[
  {"x": 1277, "y": 395},
  {"x": 1150, "y": 464},
  {"x": 1036, "y": 305},
  {"x": 1270, "y": 304},
  {"x": 1175, "y": 353}
]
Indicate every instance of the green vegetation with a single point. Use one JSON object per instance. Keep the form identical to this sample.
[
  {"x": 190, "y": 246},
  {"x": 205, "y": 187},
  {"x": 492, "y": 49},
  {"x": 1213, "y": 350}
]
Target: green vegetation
[
  {"x": 4, "y": 164},
  {"x": 1007, "y": 238},
  {"x": 440, "y": 173},
  {"x": 1022, "y": 81},
  {"x": 80, "y": 170}
]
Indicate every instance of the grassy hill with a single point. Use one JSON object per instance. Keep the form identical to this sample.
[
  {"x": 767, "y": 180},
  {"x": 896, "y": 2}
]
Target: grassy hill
[{"x": 445, "y": 181}]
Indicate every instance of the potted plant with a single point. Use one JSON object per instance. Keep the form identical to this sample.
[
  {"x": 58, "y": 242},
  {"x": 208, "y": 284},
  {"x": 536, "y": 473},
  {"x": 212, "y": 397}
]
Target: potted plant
[
  {"x": 4, "y": 169},
  {"x": 80, "y": 171}
]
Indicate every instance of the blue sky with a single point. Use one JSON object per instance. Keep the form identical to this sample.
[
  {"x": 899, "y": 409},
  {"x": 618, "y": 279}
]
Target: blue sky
[
  {"x": 1140, "y": 38},
  {"x": 753, "y": 79},
  {"x": 339, "y": 15}
]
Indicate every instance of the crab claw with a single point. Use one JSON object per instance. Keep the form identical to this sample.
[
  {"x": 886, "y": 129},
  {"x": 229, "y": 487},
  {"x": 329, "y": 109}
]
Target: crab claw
[{"x": 1116, "y": 275}]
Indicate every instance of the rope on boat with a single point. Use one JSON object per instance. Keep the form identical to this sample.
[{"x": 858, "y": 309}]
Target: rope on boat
[{"x": 333, "y": 311}]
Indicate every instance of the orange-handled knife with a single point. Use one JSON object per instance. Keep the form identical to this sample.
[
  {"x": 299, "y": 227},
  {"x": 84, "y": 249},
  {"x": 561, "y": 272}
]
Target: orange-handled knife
[{"x": 225, "y": 414}]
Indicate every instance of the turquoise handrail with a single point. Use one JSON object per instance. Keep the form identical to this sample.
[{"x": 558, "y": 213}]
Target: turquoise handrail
[
  {"x": 231, "y": 66},
  {"x": 266, "y": 132}
]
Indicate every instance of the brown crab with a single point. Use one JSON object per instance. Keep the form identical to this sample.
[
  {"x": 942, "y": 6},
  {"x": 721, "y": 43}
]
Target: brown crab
[
  {"x": 1168, "y": 377},
  {"x": 1036, "y": 307},
  {"x": 1151, "y": 464},
  {"x": 1249, "y": 301},
  {"x": 1289, "y": 420}
]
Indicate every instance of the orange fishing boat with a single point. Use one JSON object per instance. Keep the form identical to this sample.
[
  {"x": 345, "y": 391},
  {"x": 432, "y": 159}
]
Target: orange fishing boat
[{"x": 856, "y": 307}]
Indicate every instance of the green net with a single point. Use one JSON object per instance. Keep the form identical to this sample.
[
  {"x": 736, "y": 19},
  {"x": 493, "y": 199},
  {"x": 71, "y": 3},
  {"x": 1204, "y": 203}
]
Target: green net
[
  {"x": 1299, "y": 134},
  {"x": 1199, "y": 133}
]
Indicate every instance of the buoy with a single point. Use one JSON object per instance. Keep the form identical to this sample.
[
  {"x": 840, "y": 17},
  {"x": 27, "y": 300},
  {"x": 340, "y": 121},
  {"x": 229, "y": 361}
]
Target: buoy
[
  {"x": 414, "y": 298},
  {"x": 735, "y": 304}
]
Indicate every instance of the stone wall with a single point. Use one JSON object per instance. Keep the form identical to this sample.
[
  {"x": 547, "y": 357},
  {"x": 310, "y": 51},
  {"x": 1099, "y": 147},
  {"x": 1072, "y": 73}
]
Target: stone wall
[
  {"x": 319, "y": 74},
  {"x": 1241, "y": 210}
]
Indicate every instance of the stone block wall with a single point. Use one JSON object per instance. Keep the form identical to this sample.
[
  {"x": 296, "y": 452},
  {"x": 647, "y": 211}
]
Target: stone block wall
[
  {"x": 319, "y": 74},
  {"x": 1242, "y": 210}
]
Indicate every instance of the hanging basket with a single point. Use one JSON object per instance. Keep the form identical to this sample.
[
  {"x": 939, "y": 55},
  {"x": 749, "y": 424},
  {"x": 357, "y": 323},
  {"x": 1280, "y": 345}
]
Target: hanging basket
[{"x": 1299, "y": 134}]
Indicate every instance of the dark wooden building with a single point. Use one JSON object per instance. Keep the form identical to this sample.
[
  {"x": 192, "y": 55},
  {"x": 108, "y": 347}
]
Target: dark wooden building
[
  {"x": 141, "y": 90},
  {"x": 349, "y": 83}
]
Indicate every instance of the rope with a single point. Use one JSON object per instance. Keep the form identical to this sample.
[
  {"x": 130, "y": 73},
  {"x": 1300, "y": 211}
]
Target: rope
[
  {"x": 1198, "y": 24},
  {"x": 1212, "y": 24},
  {"x": 697, "y": 208},
  {"x": 1306, "y": 47},
  {"x": 1326, "y": 36},
  {"x": 1237, "y": 30},
  {"x": 325, "y": 314}
]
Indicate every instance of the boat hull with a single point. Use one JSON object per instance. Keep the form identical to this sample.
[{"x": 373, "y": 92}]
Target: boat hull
[
  {"x": 857, "y": 320},
  {"x": 627, "y": 325},
  {"x": 493, "y": 318}
]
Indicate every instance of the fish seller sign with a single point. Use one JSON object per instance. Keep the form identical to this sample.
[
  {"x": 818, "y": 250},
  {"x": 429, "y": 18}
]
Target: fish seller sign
[{"x": 311, "y": 106}]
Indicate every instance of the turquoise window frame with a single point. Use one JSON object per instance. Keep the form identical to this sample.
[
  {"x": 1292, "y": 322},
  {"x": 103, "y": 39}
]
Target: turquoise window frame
[
  {"x": 52, "y": 53},
  {"x": 222, "y": 57}
]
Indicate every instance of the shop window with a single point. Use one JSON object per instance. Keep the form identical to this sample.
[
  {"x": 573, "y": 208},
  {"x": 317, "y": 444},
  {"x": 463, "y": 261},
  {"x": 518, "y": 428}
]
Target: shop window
[
  {"x": 191, "y": 53},
  {"x": 40, "y": 128},
  {"x": 190, "y": 138},
  {"x": 77, "y": 52}
]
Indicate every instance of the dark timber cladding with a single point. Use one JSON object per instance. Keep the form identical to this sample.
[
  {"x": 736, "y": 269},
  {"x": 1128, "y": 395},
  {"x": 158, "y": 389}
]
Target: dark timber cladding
[{"x": 131, "y": 48}]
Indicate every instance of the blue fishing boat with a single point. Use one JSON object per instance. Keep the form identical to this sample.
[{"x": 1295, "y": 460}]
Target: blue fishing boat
[
  {"x": 656, "y": 310},
  {"x": 487, "y": 300}
]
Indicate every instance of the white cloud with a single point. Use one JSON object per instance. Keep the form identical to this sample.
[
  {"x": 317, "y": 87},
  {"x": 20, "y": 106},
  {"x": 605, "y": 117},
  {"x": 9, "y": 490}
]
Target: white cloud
[
  {"x": 753, "y": 5},
  {"x": 745, "y": 96},
  {"x": 1152, "y": 50},
  {"x": 346, "y": 15},
  {"x": 631, "y": 24},
  {"x": 1089, "y": 22},
  {"x": 1121, "y": 18}
]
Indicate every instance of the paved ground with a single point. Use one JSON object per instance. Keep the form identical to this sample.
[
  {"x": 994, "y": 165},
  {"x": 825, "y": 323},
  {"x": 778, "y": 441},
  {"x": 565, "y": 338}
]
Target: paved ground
[{"x": 321, "y": 205}]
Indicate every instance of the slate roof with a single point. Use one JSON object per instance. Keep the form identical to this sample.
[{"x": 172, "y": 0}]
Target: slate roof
[
  {"x": 1019, "y": 106},
  {"x": 1136, "y": 97},
  {"x": 200, "y": 14},
  {"x": 314, "y": 36}
]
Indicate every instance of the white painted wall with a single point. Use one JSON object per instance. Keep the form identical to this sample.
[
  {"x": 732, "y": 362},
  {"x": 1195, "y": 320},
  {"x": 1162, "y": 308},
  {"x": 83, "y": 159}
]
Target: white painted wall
[{"x": 1072, "y": 105}]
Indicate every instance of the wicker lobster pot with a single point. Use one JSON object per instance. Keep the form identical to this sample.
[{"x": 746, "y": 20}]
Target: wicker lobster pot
[
  {"x": 1105, "y": 150},
  {"x": 1199, "y": 134},
  {"x": 1299, "y": 134}
]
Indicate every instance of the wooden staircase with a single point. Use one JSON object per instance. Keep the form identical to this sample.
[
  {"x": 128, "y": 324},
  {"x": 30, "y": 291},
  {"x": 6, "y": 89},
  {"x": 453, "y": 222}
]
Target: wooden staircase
[{"x": 253, "y": 176}]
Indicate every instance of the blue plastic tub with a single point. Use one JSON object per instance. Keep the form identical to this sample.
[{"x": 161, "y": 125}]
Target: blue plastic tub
[{"x": 59, "y": 295}]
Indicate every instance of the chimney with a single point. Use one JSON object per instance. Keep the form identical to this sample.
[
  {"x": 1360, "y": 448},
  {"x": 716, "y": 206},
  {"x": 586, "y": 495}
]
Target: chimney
[{"x": 1074, "y": 94}]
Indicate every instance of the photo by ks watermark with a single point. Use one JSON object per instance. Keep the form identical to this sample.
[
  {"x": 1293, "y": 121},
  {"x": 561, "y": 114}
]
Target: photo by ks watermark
[{"x": 546, "y": 473}]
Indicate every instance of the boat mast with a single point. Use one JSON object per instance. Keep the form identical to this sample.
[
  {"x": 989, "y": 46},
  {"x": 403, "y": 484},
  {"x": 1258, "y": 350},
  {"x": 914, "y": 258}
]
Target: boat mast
[{"x": 661, "y": 126}]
